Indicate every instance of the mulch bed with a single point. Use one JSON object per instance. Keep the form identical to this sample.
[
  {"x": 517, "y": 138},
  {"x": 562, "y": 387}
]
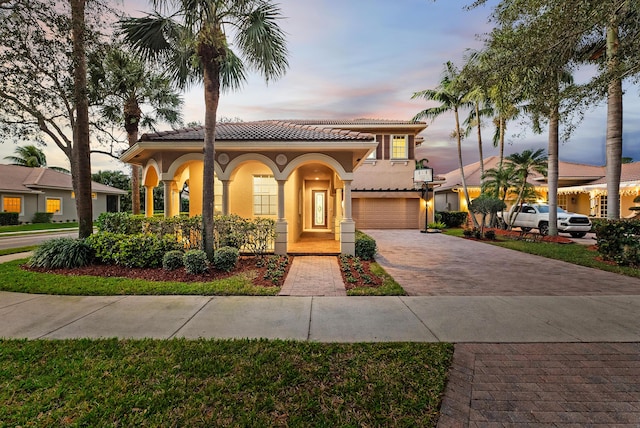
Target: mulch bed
[
  {"x": 245, "y": 264},
  {"x": 515, "y": 233},
  {"x": 374, "y": 280}
]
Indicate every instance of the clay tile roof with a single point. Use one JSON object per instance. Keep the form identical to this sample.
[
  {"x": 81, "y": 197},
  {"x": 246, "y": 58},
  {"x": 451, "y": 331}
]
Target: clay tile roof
[{"x": 260, "y": 131}]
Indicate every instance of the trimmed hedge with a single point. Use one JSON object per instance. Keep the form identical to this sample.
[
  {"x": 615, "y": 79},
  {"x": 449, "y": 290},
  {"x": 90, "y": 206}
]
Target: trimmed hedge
[
  {"x": 365, "y": 246},
  {"x": 9, "y": 219},
  {"x": 141, "y": 250},
  {"x": 226, "y": 258},
  {"x": 619, "y": 241},
  {"x": 195, "y": 262},
  {"x": 172, "y": 260},
  {"x": 40, "y": 217},
  {"x": 452, "y": 218}
]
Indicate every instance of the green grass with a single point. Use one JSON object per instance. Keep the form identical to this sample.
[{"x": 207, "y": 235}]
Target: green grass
[
  {"x": 571, "y": 253},
  {"x": 37, "y": 226},
  {"x": 18, "y": 280},
  {"x": 220, "y": 383},
  {"x": 8, "y": 251},
  {"x": 389, "y": 286}
]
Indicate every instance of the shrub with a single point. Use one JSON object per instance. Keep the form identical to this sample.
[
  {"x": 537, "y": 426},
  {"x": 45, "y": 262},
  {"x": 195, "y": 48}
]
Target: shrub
[
  {"x": 225, "y": 258},
  {"x": 9, "y": 219},
  {"x": 452, "y": 218},
  {"x": 365, "y": 246},
  {"x": 260, "y": 235},
  {"x": 618, "y": 241},
  {"x": 490, "y": 234},
  {"x": 105, "y": 245},
  {"x": 62, "y": 253},
  {"x": 195, "y": 261},
  {"x": 437, "y": 225},
  {"x": 172, "y": 260},
  {"x": 145, "y": 250},
  {"x": 42, "y": 217}
]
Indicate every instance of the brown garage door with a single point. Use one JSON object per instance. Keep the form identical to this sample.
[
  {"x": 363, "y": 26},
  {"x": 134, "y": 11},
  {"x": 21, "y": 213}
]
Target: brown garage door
[{"x": 384, "y": 213}]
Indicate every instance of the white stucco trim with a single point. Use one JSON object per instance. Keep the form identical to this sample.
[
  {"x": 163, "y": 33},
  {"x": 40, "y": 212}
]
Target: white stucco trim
[
  {"x": 236, "y": 162},
  {"x": 176, "y": 164}
]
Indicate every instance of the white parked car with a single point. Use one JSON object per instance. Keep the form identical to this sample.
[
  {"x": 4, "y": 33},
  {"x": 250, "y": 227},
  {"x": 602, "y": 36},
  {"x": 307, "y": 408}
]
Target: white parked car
[{"x": 536, "y": 216}]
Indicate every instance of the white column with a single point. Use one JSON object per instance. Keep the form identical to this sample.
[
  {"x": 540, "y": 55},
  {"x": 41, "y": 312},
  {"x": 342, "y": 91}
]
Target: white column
[
  {"x": 338, "y": 218},
  {"x": 281, "y": 223},
  {"x": 225, "y": 197},
  {"x": 347, "y": 225}
]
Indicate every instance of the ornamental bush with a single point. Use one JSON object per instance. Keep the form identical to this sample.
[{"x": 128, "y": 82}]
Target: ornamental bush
[
  {"x": 365, "y": 246},
  {"x": 9, "y": 219},
  {"x": 195, "y": 262},
  {"x": 452, "y": 218},
  {"x": 41, "y": 217},
  {"x": 225, "y": 258},
  {"x": 62, "y": 253},
  {"x": 105, "y": 245},
  {"x": 619, "y": 241},
  {"x": 141, "y": 250},
  {"x": 172, "y": 260}
]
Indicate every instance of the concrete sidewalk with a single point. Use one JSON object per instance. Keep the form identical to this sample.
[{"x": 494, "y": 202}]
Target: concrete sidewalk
[{"x": 325, "y": 319}]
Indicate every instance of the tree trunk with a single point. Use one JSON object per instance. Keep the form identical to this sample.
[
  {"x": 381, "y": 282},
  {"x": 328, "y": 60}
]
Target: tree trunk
[
  {"x": 461, "y": 165},
  {"x": 81, "y": 149},
  {"x": 211, "y": 98},
  {"x": 552, "y": 170},
  {"x": 132, "y": 114},
  {"x": 614, "y": 124},
  {"x": 479, "y": 125},
  {"x": 503, "y": 126}
]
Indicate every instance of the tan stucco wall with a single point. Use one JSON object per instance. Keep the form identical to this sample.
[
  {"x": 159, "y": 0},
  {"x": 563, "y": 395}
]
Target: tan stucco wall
[
  {"x": 241, "y": 188},
  {"x": 292, "y": 206},
  {"x": 384, "y": 174}
]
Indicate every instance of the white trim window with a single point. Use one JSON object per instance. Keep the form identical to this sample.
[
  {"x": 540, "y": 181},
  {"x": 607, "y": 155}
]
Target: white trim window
[
  {"x": 562, "y": 201},
  {"x": 53, "y": 205},
  {"x": 399, "y": 147},
  {"x": 13, "y": 204},
  {"x": 602, "y": 209},
  {"x": 265, "y": 195},
  {"x": 373, "y": 155}
]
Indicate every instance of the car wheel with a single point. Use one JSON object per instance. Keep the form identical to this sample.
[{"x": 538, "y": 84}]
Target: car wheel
[
  {"x": 544, "y": 228},
  {"x": 525, "y": 229},
  {"x": 578, "y": 234}
]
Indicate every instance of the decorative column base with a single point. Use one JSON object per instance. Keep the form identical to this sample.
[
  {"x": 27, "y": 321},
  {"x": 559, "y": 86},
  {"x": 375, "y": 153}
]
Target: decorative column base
[
  {"x": 348, "y": 237},
  {"x": 280, "y": 247}
]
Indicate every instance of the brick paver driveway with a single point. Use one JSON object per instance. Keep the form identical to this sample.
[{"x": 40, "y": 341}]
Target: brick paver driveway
[
  {"x": 526, "y": 384},
  {"x": 439, "y": 265}
]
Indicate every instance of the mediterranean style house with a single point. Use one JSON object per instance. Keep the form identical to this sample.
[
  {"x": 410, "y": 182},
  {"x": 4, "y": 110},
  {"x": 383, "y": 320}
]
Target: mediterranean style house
[
  {"x": 581, "y": 188},
  {"x": 29, "y": 190},
  {"x": 326, "y": 176}
]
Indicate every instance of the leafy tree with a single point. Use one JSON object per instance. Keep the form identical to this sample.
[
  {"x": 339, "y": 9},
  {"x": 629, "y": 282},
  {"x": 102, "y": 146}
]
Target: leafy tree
[
  {"x": 123, "y": 84},
  {"x": 192, "y": 43},
  {"x": 42, "y": 82},
  {"x": 451, "y": 93},
  {"x": 486, "y": 205}
]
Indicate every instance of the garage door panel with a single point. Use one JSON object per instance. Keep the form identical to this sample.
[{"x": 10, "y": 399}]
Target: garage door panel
[{"x": 385, "y": 213}]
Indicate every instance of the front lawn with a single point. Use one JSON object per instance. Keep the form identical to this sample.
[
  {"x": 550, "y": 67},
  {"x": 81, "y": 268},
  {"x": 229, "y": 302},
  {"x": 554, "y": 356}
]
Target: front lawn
[
  {"x": 17, "y": 250},
  {"x": 37, "y": 227},
  {"x": 220, "y": 383},
  {"x": 18, "y": 280},
  {"x": 571, "y": 253}
]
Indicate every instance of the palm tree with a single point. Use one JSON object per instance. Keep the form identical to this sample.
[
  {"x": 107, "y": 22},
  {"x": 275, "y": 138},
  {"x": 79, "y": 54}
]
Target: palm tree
[
  {"x": 523, "y": 165},
  {"x": 123, "y": 83},
  {"x": 192, "y": 43},
  {"x": 32, "y": 157},
  {"x": 497, "y": 182},
  {"x": 451, "y": 93}
]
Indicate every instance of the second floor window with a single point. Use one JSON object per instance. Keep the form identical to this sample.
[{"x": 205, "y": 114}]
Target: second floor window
[
  {"x": 265, "y": 195},
  {"x": 399, "y": 147}
]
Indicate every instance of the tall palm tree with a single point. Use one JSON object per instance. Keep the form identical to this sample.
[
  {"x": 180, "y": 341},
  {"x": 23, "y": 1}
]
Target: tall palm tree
[
  {"x": 524, "y": 164},
  {"x": 497, "y": 182},
  {"x": 32, "y": 157},
  {"x": 124, "y": 83},
  {"x": 451, "y": 93},
  {"x": 192, "y": 43},
  {"x": 29, "y": 156}
]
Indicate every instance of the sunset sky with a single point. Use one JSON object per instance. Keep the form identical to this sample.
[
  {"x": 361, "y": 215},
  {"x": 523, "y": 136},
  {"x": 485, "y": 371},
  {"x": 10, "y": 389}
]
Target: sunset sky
[{"x": 364, "y": 59}]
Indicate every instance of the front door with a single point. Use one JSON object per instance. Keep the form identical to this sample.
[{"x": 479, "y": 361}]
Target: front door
[{"x": 319, "y": 209}]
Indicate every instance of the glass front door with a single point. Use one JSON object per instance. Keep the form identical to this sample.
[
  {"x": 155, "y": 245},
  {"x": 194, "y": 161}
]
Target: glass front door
[{"x": 319, "y": 208}]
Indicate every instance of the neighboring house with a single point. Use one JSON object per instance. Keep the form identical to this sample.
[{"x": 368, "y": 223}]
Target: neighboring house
[
  {"x": 29, "y": 190},
  {"x": 581, "y": 188},
  {"x": 325, "y": 176}
]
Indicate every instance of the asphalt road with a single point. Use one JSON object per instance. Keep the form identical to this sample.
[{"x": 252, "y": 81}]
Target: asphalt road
[{"x": 16, "y": 241}]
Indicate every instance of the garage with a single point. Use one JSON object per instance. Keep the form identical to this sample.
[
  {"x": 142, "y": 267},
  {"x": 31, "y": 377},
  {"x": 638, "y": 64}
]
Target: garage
[{"x": 386, "y": 213}]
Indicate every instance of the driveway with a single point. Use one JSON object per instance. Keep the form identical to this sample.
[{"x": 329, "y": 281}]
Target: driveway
[{"x": 434, "y": 264}]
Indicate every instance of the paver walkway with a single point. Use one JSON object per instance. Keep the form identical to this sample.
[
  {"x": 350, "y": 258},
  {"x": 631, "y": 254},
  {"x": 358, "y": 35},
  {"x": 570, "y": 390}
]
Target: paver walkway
[
  {"x": 570, "y": 384},
  {"x": 314, "y": 276}
]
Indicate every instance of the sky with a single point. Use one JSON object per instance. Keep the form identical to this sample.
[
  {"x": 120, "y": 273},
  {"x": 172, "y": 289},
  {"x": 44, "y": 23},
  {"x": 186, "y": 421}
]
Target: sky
[{"x": 353, "y": 59}]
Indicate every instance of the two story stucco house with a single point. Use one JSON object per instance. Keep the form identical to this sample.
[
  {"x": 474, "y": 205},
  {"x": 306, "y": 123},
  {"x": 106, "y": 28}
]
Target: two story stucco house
[
  {"x": 324, "y": 176},
  {"x": 29, "y": 190}
]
